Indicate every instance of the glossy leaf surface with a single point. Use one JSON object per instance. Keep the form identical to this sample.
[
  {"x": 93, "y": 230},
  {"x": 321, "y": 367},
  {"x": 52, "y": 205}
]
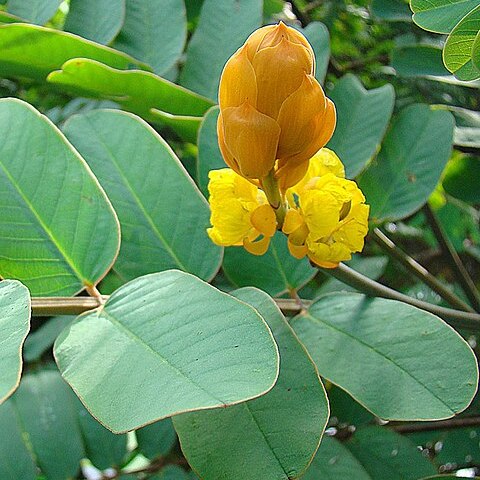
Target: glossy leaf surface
[
  {"x": 58, "y": 231},
  {"x": 163, "y": 216}
]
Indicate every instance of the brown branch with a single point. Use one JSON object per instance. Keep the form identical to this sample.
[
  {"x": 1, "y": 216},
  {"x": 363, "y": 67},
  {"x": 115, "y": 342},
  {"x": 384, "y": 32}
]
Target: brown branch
[
  {"x": 451, "y": 256},
  {"x": 451, "y": 423}
]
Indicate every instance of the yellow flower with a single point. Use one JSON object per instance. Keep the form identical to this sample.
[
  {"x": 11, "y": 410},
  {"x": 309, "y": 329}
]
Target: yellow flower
[
  {"x": 331, "y": 219},
  {"x": 273, "y": 113},
  {"x": 240, "y": 213}
]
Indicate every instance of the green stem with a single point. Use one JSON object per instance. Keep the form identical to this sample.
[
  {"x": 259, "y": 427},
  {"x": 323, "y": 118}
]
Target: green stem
[
  {"x": 451, "y": 256},
  {"x": 269, "y": 185},
  {"x": 418, "y": 270}
]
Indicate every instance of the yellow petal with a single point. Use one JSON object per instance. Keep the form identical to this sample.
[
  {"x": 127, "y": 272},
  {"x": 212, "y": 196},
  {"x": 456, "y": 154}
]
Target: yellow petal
[
  {"x": 264, "y": 220},
  {"x": 227, "y": 156},
  {"x": 252, "y": 138},
  {"x": 293, "y": 220},
  {"x": 280, "y": 71},
  {"x": 256, "y": 248},
  {"x": 237, "y": 83},
  {"x": 296, "y": 115},
  {"x": 297, "y": 251}
]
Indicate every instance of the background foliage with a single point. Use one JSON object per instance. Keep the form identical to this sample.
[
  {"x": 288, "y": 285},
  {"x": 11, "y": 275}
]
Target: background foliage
[{"x": 106, "y": 192}]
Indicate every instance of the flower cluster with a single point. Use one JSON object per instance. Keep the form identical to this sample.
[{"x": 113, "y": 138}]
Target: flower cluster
[
  {"x": 326, "y": 218},
  {"x": 273, "y": 124}
]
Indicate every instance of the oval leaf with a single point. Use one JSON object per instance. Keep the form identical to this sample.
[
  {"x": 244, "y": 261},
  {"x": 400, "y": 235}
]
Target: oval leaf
[
  {"x": 14, "y": 325},
  {"x": 153, "y": 98},
  {"x": 440, "y": 16},
  {"x": 334, "y": 461},
  {"x": 386, "y": 454},
  {"x": 44, "y": 418},
  {"x": 171, "y": 324},
  {"x": 458, "y": 50},
  {"x": 58, "y": 231},
  {"x": 362, "y": 118},
  {"x": 209, "y": 156},
  {"x": 33, "y": 52},
  {"x": 34, "y": 11},
  {"x": 272, "y": 437},
  {"x": 385, "y": 360},
  {"x": 163, "y": 216},
  {"x": 276, "y": 272},
  {"x": 222, "y": 28},
  {"x": 154, "y": 32},
  {"x": 407, "y": 169},
  {"x": 96, "y": 20}
]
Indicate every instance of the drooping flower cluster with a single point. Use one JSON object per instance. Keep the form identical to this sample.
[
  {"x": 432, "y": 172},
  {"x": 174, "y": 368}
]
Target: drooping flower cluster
[{"x": 274, "y": 120}]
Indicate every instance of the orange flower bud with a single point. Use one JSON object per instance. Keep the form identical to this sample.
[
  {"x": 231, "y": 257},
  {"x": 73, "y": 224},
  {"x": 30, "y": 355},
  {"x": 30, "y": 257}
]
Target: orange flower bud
[{"x": 274, "y": 114}]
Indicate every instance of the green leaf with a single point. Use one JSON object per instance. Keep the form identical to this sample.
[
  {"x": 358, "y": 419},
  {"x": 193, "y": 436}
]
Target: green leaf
[
  {"x": 440, "y": 16},
  {"x": 467, "y": 129},
  {"x": 476, "y": 52},
  {"x": 157, "y": 439},
  {"x": 58, "y": 231},
  {"x": 424, "y": 61},
  {"x": 14, "y": 324},
  {"x": 418, "y": 61},
  {"x": 23, "y": 51},
  {"x": 96, "y": 20},
  {"x": 333, "y": 461},
  {"x": 454, "y": 446},
  {"x": 45, "y": 423},
  {"x": 163, "y": 216},
  {"x": 362, "y": 118},
  {"x": 8, "y": 18},
  {"x": 34, "y": 11},
  {"x": 222, "y": 28},
  {"x": 139, "y": 92},
  {"x": 406, "y": 171},
  {"x": 457, "y": 54},
  {"x": 172, "y": 472},
  {"x": 385, "y": 357},
  {"x": 48, "y": 424},
  {"x": 102, "y": 447},
  {"x": 386, "y": 454},
  {"x": 391, "y": 10},
  {"x": 172, "y": 324},
  {"x": 209, "y": 155},
  {"x": 15, "y": 460},
  {"x": 276, "y": 272},
  {"x": 462, "y": 178},
  {"x": 154, "y": 31},
  {"x": 272, "y": 437},
  {"x": 318, "y": 36},
  {"x": 38, "y": 342}
]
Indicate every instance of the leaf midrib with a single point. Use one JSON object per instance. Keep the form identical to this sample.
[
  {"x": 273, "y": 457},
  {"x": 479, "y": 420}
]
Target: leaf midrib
[
  {"x": 49, "y": 234},
  {"x": 373, "y": 349},
  {"x": 117, "y": 323},
  {"x": 140, "y": 205}
]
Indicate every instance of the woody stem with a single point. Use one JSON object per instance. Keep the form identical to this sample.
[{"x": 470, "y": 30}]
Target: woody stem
[{"x": 269, "y": 185}]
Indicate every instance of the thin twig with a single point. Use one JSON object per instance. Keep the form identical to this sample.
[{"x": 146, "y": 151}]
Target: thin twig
[
  {"x": 49, "y": 306},
  {"x": 449, "y": 424},
  {"x": 372, "y": 288},
  {"x": 389, "y": 247},
  {"x": 453, "y": 259}
]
